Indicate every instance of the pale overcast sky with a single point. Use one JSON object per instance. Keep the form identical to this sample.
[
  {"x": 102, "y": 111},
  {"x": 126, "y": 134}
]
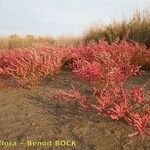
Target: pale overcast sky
[{"x": 57, "y": 17}]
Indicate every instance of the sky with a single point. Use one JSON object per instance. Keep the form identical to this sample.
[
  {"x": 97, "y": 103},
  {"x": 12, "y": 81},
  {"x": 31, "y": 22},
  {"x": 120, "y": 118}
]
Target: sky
[{"x": 62, "y": 17}]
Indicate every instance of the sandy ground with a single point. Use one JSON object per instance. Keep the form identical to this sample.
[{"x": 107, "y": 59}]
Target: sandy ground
[{"x": 27, "y": 114}]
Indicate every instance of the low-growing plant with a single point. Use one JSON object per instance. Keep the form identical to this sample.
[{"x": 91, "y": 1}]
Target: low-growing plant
[
  {"x": 26, "y": 67},
  {"x": 105, "y": 68}
]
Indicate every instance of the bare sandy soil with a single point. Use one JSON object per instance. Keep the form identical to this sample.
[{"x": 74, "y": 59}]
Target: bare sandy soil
[{"x": 28, "y": 114}]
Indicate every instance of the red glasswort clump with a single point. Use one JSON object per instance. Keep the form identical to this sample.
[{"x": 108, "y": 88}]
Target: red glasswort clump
[
  {"x": 27, "y": 66},
  {"x": 72, "y": 95},
  {"x": 105, "y": 68},
  {"x": 137, "y": 94},
  {"x": 139, "y": 122}
]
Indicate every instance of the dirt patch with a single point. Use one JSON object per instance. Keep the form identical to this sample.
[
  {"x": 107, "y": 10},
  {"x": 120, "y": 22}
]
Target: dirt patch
[{"x": 27, "y": 114}]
